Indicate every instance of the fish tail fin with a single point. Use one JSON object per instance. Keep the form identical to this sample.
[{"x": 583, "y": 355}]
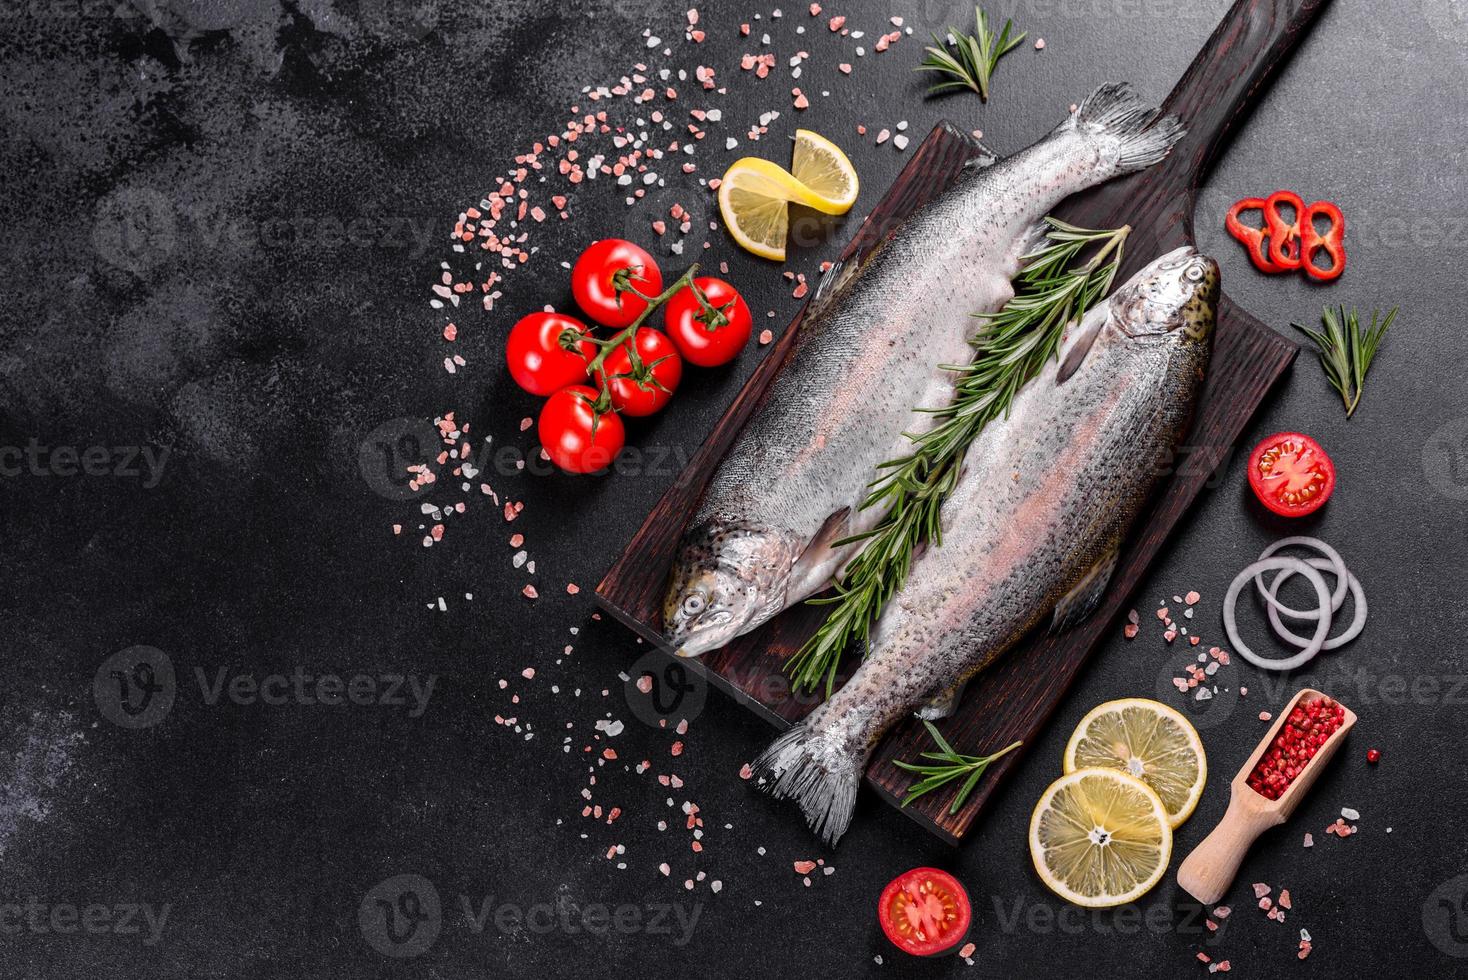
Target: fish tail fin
[
  {"x": 1133, "y": 135},
  {"x": 802, "y": 765}
]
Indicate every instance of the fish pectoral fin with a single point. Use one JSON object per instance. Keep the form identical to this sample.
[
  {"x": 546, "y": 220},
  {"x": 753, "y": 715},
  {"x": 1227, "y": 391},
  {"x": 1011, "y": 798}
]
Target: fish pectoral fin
[
  {"x": 1080, "y": 345},
  {"x": 811, "y": 567},
  {"x": 944, "y": 704},
  {"x": 1082, "y": 600}
]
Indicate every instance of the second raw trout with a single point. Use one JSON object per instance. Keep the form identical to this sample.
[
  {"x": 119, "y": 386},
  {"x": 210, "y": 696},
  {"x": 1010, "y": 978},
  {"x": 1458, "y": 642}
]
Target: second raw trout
[{"x": 1032, "y": 527}]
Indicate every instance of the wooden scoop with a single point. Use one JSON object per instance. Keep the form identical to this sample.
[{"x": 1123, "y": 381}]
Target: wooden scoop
[{"x": 1210, "y": 869}]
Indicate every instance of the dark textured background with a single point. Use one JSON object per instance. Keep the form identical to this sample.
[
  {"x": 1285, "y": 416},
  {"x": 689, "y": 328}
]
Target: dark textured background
[{"x": 142, "y": 148}]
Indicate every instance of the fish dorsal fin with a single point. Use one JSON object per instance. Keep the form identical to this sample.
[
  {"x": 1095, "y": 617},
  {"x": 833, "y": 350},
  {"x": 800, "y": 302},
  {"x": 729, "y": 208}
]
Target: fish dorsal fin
[
  {"x": 1085, "y": 337},
  {"x": 983, "y": 156},
  {"x": 1082, "y": 600},
  {"x": 836, "y": 277}
]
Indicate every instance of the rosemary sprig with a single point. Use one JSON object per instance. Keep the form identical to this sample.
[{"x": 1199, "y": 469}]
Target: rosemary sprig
[
  {"x": 1346, "y": 349},
  {"x": 1012, "y": 346},
  {"x": 977, "y": 54},
  {"x": 946, "y": 766}
]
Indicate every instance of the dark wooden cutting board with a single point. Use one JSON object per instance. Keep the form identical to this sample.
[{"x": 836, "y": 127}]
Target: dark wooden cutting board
[{"x": 1014, "y": 699}]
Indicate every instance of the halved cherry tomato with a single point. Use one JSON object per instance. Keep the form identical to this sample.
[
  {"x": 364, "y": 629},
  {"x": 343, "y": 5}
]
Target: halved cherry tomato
[
  {"x": 712, "y": 335},
  {"x": 924, "y": 911},
  {"x": 604, "y": 273},
  {"x": 574, "y": 436},
  {"x": 1291, "y": 474},
  {"x": 645, "y": 387},
  {"x": 544, "y": 354}
]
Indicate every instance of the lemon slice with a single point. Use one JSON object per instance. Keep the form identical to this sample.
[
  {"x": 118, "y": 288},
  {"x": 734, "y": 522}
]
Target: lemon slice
[
  {"x": 1100, "y": 838},
  {"x": 820, "y": 165},
  {"x": 754, "y": 198},
  {"x": 1149, "y": 740}
]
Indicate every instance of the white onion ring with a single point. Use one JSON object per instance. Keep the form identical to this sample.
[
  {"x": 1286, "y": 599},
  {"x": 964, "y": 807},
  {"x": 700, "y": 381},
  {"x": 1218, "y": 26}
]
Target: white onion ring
[
  {"x": 1230, "y": 621},
  {"x": 1358, "y": 621},
  {"x": 1336, "y": 564}
]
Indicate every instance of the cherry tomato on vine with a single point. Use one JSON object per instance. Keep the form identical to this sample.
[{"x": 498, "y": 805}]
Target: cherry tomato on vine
[
  {"x": 538, "y": 361},
  {"x": 574, "y": 437},
  {"x": 652, "y": 382},
  {"x": 1291, "y": 474},
  {"x": 600, "y": 279},
  {"x": 705, "y": 338},
  {"x": 924, "y": 911}
]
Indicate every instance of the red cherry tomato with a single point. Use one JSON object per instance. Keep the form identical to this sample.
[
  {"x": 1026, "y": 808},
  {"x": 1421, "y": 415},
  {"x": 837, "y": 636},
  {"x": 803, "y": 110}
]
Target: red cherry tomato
[
  {"x": 699, "y": 341},
  {"x": 599, "y": 274},
  {"x": 538, "y": 361},
  {"x": 567, "y": 421},
  {"x": 924, "y": 911},
  {"x": 652, "y": 384},
  {"x": 1291, "y": 474}
]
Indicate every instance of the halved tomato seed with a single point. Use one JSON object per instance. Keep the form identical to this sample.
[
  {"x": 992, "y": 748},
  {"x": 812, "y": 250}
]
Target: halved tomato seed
[
  {"x": 1291, "y": 474},
  {"x": 924, "y": 911}
]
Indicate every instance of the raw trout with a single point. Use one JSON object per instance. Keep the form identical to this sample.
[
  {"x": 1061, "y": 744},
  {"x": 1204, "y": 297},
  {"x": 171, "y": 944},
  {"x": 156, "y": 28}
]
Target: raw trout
[
  {"x": 1032, "y": 527},
  {"x": 765, "y": 536}
]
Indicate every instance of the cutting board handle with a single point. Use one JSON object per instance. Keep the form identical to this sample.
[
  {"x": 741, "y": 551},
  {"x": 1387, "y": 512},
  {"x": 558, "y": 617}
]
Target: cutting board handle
[{"x": 1220, "y": 87}]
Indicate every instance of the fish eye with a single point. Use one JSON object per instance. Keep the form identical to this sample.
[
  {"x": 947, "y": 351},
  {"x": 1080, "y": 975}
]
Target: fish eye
[
  {"x": 694, "y": 603},
  {"x": 1194, "y": 274}
]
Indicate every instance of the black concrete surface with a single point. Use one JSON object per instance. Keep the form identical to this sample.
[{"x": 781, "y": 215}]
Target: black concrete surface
[{"x": 220, "y": 224}]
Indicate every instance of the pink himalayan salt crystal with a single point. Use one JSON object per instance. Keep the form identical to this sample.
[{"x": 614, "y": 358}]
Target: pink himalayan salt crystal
[{"x": 530, "y": 592}]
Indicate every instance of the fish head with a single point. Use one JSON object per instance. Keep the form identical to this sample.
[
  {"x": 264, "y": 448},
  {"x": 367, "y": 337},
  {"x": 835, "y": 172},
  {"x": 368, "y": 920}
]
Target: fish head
[
  {"x": 1175, "y": 297},
  {"x": 727, "y": 580}
]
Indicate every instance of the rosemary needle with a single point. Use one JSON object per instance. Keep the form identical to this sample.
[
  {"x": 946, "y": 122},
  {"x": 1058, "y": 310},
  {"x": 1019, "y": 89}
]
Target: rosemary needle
[
  {"x": 1346, "y": 349},
  {"x": 945, "y": 766},
  {"x": 974, "y": 56}
]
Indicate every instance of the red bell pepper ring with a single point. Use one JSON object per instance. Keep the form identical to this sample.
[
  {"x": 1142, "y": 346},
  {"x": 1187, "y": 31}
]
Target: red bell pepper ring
[
  {"x": 1253, "y": 239},
  {"x": 1284, "y": 236},
  {"x": 1331, "y": 242}
]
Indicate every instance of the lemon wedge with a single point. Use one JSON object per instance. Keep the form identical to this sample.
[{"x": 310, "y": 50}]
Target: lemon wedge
[
  {"x": 755, "y": 195},
  {"x": 1100, "y": 838},
  {"x": 820, "y": 165},
  {"x": 1148, "y": 740}
]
